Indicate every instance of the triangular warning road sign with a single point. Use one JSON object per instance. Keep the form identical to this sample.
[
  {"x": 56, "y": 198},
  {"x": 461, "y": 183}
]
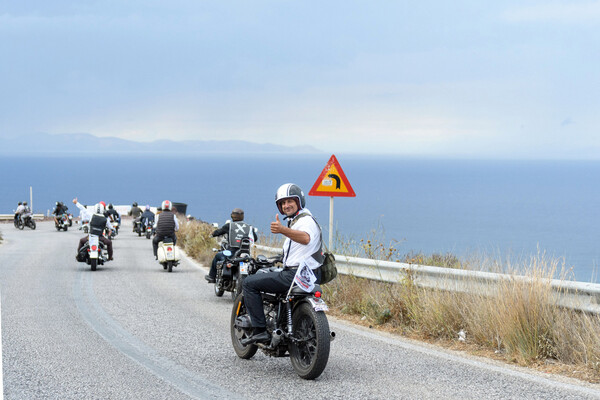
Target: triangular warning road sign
[{"x": 332, "y": 181}]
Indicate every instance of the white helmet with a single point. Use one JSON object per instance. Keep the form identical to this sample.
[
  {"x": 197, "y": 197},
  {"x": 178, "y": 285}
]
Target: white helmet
[
  {"x": 290, "y": 191},
  {"x": 99, "y": 208},
  {"x": 167, "y": 205}
]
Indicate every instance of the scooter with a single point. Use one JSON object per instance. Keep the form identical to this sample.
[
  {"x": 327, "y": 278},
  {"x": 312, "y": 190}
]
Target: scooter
[{"x": 168, "y": 255}]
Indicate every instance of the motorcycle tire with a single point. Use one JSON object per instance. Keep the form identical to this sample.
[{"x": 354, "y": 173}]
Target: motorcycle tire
[
  {"x": 70, "y": 223},
  {"x": 66, "y": 227},
  {"x": 170, "y": 266},
  {"x": 20, "y": 225},
  {"x": 309, "y": 356},
  {"x": 139, "y": 233},
  {"x": 218, "y": 288},
  {"x": 32, "y": 224},
  {"x": 93, "y": 263},
  {"x": 237, "y": 335},
  {"x": 148, "y": 234}
]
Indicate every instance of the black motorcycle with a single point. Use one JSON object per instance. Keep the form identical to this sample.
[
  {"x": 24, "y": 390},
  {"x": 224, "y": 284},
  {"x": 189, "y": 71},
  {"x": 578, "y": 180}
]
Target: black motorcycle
[
  {"x": 233, "y": 269},
  {"x": 26, "y": 220},
  {"x": 63, "y": 222},
  {"x": 296, "y": 322},
  {"x": 93, "y": 253}
]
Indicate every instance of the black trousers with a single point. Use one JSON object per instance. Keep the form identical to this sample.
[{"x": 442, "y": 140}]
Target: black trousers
[
  {"x": 159, "y": 238},
  {"x": 270, "y": 282}
]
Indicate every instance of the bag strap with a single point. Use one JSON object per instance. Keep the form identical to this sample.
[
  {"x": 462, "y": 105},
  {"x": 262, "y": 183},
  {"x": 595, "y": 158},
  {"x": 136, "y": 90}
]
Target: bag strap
[{"x": 318, "y": 255}]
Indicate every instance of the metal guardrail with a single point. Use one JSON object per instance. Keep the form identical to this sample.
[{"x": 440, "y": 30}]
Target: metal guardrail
[
  {"x": 569, "y": 294},
  {"x": 9, "y": 217}
]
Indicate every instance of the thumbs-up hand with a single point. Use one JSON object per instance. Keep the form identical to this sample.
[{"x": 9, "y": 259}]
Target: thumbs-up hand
[{"x": 276, "y": 226}]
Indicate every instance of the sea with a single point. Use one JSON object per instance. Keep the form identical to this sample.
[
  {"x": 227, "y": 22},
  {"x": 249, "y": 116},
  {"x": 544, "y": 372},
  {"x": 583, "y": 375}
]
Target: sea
[{"x": 509, "y": 211}]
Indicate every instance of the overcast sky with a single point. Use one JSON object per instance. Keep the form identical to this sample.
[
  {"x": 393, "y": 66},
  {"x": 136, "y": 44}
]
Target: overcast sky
[{"x": 507, "y": 79}]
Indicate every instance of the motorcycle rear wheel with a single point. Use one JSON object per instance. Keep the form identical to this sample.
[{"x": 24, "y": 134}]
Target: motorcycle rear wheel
[
  {"x": 93, "y": 263},
  {"x": 237, "y": 335},
  {"x": 309, "y": 356},
  {"x": 170, "y": 266}
]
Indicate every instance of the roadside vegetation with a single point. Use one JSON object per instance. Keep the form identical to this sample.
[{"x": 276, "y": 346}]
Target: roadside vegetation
[{"x": 517, "y": 322}]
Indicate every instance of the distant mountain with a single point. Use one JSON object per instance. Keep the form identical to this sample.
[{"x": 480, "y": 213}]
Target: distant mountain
[{"x": 44, "y": 143}]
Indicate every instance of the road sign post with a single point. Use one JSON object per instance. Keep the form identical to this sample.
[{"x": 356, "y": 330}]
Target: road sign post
[{"x": 332, "y": 183}]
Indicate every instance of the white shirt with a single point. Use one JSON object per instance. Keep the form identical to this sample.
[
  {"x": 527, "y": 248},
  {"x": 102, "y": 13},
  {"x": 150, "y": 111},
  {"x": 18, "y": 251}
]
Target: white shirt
[
  {"x": 20, "y": 209},
  {"x": 84, "y": 213},
  {"x": 296, "y": 254}
]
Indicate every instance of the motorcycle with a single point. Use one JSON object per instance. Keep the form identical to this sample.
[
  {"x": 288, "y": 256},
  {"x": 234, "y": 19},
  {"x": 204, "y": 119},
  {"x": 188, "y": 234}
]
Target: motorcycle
[
  {"x": 93, "y": 252},
  {"x": 296, "y": 321},
  {"x": 70, "y": 218},
  {"x": 233, "y": 269},
  {"x": 63, "y": 222},
  {"x": 25, "y": 220},
  {"x": 138, "y": 227},
  {"x": 167, "y": 254},
  {"x": 147, "y": 228}
]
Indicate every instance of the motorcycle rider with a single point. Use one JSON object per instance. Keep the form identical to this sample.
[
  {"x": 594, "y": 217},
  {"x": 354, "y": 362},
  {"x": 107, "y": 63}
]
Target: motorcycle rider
[
  {"x": 303, "y": 241},
  {"x": 98, "y": 222},
  {"x": 135, "y": 212},
  {"x": 112, "y": 214},
  {"x": 235, "y": 231},
  {"x": 59, "y": 210},
  {"x": 165, "y": 226},
  {"x": 147, "y": 217},
  {"x": 19, "y": 211}
]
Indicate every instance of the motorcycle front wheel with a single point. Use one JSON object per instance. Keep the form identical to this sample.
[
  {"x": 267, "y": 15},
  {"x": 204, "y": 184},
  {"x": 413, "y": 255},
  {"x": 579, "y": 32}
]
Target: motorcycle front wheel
[
  {"x": 32, "y": 224},
  {"x": 310, "y": 353},
  {"x": 20, "y": 224},
  {"x": 237, "y": 334},
  {"x": 218, "y": 287}
]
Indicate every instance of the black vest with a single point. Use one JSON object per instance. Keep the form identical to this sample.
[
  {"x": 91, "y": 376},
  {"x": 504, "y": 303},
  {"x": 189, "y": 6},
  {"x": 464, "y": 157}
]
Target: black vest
[
  {"x": 237, "y": 231},
  {"x": 97, "y": 224},
  {"x": 166, "y": 223}
]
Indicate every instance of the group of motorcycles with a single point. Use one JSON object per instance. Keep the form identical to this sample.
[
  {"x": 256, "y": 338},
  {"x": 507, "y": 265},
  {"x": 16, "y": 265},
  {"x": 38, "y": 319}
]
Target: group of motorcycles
[
  {"x": 296, "y": 319},
  {"x": 143, "y": 227}
]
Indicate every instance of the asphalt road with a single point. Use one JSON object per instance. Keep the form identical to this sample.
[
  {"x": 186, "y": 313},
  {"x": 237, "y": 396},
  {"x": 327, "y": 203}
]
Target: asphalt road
[{"x": 130, "y": 330}]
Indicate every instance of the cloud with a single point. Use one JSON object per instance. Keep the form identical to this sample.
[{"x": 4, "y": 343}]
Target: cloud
[{"x": 566, "y": 13}]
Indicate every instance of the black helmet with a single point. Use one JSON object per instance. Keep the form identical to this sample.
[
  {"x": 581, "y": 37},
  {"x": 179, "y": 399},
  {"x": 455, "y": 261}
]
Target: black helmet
[
  {"x": 287, "y": 191},
  {"x": 237, "y": 214},
  {"x": 135, "y": 203},
  {"x": 20, "y": 203},
  {"x": 110, "y": 206}
]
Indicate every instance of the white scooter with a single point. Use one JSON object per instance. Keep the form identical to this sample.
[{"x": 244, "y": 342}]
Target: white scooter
[{"x": 168, "y": 255}]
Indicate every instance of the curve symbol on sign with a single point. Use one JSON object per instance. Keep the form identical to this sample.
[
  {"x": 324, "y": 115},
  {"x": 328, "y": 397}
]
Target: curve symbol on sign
[{"x": 337, "y": 180}]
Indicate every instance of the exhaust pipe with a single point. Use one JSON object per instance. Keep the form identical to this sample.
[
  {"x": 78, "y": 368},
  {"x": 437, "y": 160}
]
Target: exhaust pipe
[
  {"x": 277, "y": 334},
  {"x": 331, "y": 336}
]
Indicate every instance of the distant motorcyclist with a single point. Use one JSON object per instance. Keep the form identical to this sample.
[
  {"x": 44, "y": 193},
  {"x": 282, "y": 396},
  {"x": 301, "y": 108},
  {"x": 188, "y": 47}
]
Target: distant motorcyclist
[
  {"x": 19, "y": 211},
  {"x": 84, "y": 212},
  {"x": 165, "y": 226},
  {"x": 135, "y": 212},
  {"x": 147, "y": 217},
  {"x": 112, "y": 214},
  {"x": 98, "y": 222},
  {"x": 59, "y": 210},
  {"x": 235, "y": 231}
]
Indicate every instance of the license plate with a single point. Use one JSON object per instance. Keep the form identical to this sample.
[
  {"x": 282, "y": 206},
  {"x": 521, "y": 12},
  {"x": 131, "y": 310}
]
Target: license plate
[
  {"x": 243, "y": 268},
  {"x": 93, "y": 242}
]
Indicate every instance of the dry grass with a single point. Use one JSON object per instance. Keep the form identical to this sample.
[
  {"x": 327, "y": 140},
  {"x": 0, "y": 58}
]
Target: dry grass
[
  {"x": 195, "y": 238},
  {"x": 518, "y": 320}
]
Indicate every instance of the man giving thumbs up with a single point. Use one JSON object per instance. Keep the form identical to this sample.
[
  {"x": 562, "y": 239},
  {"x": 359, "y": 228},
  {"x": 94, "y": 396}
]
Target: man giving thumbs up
[{"x": 303, "y": 239}]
